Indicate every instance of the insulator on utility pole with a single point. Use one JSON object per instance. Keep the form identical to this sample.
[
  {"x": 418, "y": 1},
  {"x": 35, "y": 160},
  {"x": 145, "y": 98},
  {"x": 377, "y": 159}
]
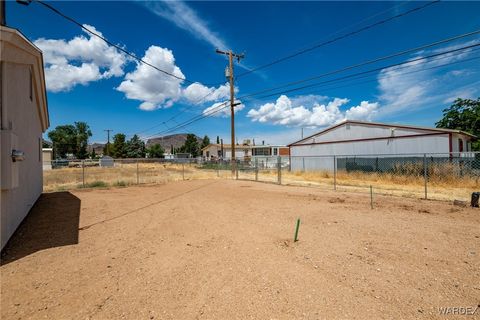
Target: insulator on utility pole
[{"x": 230, "y": 77}]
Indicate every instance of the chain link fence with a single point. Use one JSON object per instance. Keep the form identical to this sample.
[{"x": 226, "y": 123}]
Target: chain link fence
[{"x": 443, "y": 176}]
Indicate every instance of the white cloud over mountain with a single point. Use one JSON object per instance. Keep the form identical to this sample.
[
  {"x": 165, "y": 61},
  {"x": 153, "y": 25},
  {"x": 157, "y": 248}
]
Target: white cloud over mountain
[{"x": 79, "y": 61}]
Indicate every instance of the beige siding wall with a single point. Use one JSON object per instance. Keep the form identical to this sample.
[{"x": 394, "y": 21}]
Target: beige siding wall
[{"x": 20, "y": 118}]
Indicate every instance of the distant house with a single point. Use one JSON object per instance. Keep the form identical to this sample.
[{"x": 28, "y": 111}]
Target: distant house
[
  {"x": 263, "y": 153},
  {"x": 358, "y": 138},
  {"x": 267, "y": 155},
  {"x": 224, "y": 151},
  {"x": 270, "y": 150},
  {"x": 24, "y": 117}
]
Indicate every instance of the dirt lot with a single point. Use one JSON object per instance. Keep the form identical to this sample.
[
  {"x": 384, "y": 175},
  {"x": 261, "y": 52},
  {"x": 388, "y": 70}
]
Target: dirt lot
[{"x": 223, "y": 250}]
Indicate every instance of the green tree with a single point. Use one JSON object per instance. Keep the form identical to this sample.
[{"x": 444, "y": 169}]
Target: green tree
[
  {"x": 135, "y": 148},
  {"x": 218, "y": 140},
  {"x": 70, "y": 139},
  {"x": 93, "y": 155},
  {"x": 83, "y": 132},
  {"x": 463, "y": 114},
  {"x": 205, "y": 142},
  {"x": 155, "y": 151},
  {"x": 119, "y": 147},
  {"x": 191, "y": 146},
  {"x": 172, "y": 150},
  {"x": 64, "y": 140}
]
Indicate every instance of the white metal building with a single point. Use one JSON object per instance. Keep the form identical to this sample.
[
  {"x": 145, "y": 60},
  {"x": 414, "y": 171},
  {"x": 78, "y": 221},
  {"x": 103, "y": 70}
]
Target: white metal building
[
  {"x": 23, "y": 119},
  {"x": 224, "y": 151},
  {"x": 357, "y": 138}
]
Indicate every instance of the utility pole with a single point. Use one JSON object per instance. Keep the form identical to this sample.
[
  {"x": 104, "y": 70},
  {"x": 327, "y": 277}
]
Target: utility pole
[
  {"x": 3, "y": 13},
  {"x": 230, "y": 76},
  {"x": 108, "y": 140}
]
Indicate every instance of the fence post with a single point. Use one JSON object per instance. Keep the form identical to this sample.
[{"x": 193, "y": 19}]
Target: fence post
[
  {"x": 183, "y": 170},
  {"x": 236, "y": 170},
  {"x": 256, "y": 169},
  {"x": 138, "y": 178},
  {"x": 334, "y": 172},
  {"x": 303, "y": 160},
  {"x": 425, "y": 173},
  {"x": 279, "y": 170},
  {"x": 83, "y": 173}
]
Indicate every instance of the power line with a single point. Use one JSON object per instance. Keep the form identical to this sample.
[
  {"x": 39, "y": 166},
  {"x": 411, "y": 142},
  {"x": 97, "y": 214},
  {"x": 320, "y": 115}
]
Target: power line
[
  {"x": 368, "y": 62},
  {"x": 130, "y": 54},
  {"x": 303, "y": 51},
  {"x": 225, "y": 105},
  {"x": 376, "y": 69},
  {"x": 397, "y": 75},
  {"x": 416, "y": 49},
  {"x": 164, "y": 123}
]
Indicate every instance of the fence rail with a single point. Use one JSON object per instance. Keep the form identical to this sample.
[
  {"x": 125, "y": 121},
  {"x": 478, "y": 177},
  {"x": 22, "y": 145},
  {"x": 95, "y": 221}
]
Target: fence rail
[{"x": 431, "y": 176}]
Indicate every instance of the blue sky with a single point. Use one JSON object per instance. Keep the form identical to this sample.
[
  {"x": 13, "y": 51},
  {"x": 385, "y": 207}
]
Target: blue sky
[{"x": 89, "y": 81}]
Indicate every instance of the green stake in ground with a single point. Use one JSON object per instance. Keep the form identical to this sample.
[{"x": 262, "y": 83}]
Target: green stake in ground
[{"x": 296, "y": 230}]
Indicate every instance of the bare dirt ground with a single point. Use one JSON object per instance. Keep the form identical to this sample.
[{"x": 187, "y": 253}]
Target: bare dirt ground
[{"x": 223, "y": 250}]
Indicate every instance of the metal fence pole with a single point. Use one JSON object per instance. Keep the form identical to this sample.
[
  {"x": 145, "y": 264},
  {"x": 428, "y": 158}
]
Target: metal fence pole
[
  {"x": 425, "y": 173},
  {"x": 279, "y": 169},
  {"x": 303, "y": 160},
  {"x": 256, "y": 169},
  {"x": 83, "y": 173},
  {"x": 334, "y": 173},
  {"x": 183, "y": 170},
  {"x": 138, "y": 177},
  {"x": 236, "y": 170}
]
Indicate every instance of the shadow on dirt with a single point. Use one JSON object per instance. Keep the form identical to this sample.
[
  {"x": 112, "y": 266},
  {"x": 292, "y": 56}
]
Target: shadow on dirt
[{"x": 52, "y": 222}]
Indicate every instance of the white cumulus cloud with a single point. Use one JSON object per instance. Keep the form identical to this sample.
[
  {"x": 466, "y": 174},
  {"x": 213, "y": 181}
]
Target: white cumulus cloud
[
  {"x": 79, "y": 61},
  {"x": 154, "y": 88},
  {"x": 285, "y": 112},
  {"x": 222, "y": 109},
  {"x": 197, "y": 93}
]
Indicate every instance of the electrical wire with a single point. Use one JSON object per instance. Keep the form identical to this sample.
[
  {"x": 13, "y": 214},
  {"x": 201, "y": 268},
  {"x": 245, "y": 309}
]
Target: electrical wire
[
  {"x": 303, "y": 51},
  {"x": 225, "y": 105},
  {"x": 368, "y": 62},
  {"x": 128, "y": 53}
]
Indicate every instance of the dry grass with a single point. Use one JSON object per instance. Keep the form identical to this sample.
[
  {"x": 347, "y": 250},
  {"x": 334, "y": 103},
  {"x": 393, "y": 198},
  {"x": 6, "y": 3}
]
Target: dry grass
[
  {"x": 124, "y": 175},
  {"x": 440, "y": 185},
  {"x": 443, "y": 183}
]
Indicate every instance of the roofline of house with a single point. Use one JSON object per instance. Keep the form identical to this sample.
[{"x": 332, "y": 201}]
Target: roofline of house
[
  {"x": 45, "y": 120},
  {"x": 378, "y": 124}
]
